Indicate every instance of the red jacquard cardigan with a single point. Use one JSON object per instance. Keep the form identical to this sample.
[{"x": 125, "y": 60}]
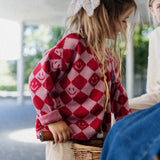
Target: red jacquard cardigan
[{"x": 68, "y": 85}]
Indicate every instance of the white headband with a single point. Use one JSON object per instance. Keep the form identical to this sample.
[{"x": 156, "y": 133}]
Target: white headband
[{"x": 88, "y": 5}]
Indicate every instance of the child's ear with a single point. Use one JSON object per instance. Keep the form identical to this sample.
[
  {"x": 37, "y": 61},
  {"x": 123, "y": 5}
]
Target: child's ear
[{"x": 152, "y": 11}]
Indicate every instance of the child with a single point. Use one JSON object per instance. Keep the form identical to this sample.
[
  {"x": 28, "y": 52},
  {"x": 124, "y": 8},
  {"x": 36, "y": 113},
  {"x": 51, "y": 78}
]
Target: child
[
  {"x": 153, "y": 74},
  {"x": 77, "y": 85}
]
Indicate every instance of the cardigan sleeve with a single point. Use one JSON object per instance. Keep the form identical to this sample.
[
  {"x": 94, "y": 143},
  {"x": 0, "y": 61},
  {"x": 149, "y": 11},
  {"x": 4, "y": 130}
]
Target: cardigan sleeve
[
  {"x": 119, "y": 98},
  {"x": 120, "y": 104},
  {"x": 43, "y": 79}
]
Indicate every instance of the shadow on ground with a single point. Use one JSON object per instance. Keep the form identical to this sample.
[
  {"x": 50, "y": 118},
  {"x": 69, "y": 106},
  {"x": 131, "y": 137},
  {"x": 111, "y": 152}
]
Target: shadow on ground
[{"x": 17, "y": 134}]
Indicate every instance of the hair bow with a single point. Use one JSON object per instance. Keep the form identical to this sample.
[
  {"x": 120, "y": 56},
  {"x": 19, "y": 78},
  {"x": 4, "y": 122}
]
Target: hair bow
[{"x": 88, "y": 5}]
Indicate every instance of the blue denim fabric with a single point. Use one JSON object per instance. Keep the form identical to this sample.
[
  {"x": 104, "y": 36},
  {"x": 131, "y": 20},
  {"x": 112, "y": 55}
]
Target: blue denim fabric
[{"x": 135, "y": 137}]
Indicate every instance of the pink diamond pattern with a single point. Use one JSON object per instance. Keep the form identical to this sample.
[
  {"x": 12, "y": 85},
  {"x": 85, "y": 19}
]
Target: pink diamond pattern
[
  {"x": 46, "y": 108},
  {"x": 86, "y": 73},
  {"x": 90, "y": 130},
  {"x": 69, "y": 41},
  {"x": 40, "y": 93}
]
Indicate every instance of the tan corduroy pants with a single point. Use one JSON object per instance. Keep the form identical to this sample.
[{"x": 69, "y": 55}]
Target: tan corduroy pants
[{"x": 60, "y": 151}]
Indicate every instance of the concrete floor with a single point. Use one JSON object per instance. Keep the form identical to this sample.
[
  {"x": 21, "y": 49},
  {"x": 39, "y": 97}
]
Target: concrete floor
[{"x": 17, "y": 134}]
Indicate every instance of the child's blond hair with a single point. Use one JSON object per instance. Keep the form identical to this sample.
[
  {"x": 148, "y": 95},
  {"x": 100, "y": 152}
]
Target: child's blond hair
[
  {"x": 151, "y": 3},
  {"x": 101, "y": 25}
]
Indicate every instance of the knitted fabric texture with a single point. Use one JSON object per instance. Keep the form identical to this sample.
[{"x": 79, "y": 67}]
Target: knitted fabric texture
[{"x": 68, "y": 85}]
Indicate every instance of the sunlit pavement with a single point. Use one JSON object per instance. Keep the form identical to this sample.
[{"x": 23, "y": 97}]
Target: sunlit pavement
[{"x": 17, "y": 134}]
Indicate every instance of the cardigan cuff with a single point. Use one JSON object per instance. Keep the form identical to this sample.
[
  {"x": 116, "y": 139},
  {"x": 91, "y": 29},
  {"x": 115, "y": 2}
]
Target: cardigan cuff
[{"x": 50, "y": 117}]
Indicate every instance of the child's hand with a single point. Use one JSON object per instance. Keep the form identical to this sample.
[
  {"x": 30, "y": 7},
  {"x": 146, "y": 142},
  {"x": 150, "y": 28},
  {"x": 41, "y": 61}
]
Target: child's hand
[{"x": 61, "y": 131}]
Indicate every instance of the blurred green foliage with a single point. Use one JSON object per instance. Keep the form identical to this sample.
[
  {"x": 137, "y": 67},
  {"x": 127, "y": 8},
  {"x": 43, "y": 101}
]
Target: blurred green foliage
[
  {"x": 43, "y": 38},
  {"x": 141, "y": 43},
  {"x": 8, "y": 88},
  {"x": 39, "y": 39},
  {"x": 141, "y": 49},
  {"x": 36, "y": 43}
]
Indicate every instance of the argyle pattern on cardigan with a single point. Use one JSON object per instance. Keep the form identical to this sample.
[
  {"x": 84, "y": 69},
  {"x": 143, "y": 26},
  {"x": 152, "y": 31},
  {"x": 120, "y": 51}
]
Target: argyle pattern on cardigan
[{"x": 68, "y": 85}]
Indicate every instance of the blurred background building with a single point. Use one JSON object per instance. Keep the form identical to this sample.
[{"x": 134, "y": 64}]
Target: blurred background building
[{"x": 29, "y": 28}]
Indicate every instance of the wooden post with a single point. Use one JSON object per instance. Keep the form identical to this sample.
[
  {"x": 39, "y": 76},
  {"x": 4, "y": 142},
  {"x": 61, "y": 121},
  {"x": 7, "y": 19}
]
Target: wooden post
[
  {"x": 20, "y": 67},
  {"x": 130, "y": 68}
]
